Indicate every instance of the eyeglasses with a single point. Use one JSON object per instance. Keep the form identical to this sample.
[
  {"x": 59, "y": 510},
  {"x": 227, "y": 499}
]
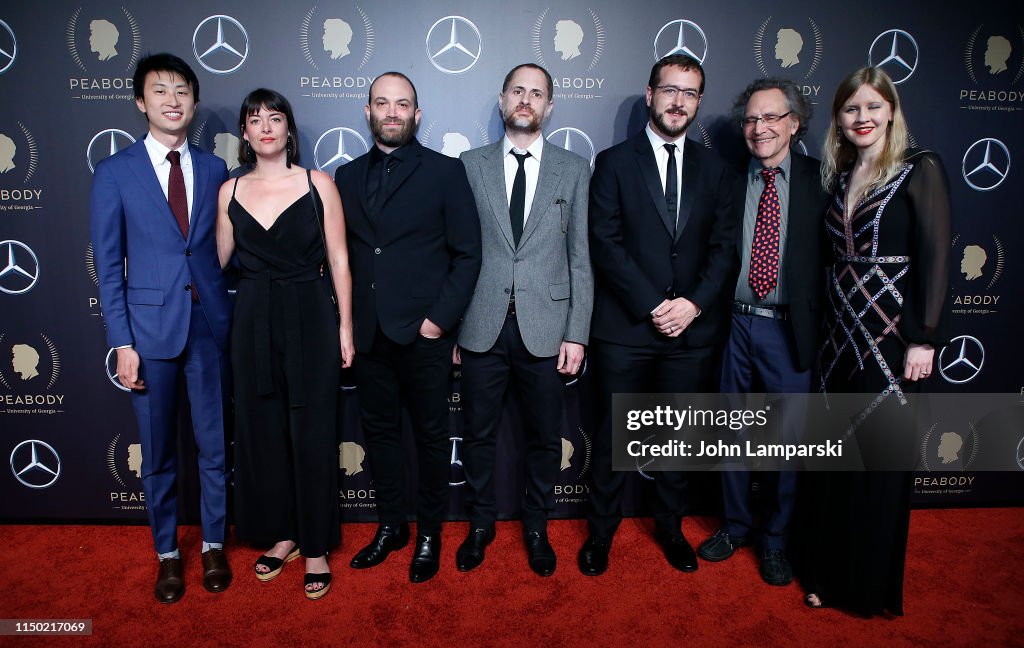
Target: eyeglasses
[
  {"x": 670, "y": 92},
  {"x": 750, "y": 122}
]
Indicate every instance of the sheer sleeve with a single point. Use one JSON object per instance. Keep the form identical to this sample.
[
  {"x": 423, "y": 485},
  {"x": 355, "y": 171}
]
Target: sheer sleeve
[{"x": 923, "y": 306}]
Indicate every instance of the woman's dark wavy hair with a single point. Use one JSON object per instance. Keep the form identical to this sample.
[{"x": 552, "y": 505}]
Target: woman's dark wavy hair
[{"x": 274, "y": 102}]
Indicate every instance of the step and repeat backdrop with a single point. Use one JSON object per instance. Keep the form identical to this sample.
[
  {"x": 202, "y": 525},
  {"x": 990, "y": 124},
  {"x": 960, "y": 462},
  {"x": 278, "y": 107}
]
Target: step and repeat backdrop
[{"x": 66, "y": 102}]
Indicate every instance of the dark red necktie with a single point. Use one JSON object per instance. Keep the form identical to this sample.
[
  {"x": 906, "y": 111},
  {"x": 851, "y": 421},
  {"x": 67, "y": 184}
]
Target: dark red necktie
[
  {"x": 178, "y": 201},
  {"x": 176, "y": 197},
  {"x": 764, "y": 253}
]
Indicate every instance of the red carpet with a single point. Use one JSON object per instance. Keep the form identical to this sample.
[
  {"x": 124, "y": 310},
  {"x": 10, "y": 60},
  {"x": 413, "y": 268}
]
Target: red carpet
[{"x": 963, "y": 588}]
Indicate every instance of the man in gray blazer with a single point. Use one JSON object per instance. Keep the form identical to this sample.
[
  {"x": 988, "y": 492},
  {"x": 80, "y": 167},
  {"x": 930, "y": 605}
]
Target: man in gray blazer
[{"x": 529, "y": 318}]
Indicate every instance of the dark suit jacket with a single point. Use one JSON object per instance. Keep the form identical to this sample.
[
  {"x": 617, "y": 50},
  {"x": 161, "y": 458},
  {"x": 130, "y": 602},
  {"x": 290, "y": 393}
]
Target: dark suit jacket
[
  {"x": 804, "y": 255},
  {"x": 636, "y": 260},
  {"x": 130, "y": 221},
  {"x": 419, "y": 256}
]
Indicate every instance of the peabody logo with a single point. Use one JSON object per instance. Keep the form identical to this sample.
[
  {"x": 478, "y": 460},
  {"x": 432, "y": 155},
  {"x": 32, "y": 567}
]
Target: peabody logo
[
  {"x": 568, "y": 40},
  {"x": 35, "y": 464},
  {"x": 8, "y": 47},
  {"x": 961, "y": 360},
  {"x": 575, "y": 141},
  {"x": 34, "y": 365},
  {"x": 454, "y": 44},
  {"x": 224, "y": 144},
  {"x": 113, "y": 39},
  {"x": 895, "y": 51},
  {"x": 577, "y": 453},
  {"x": 111, "y": 367},
  {"x": 947, "y": 450},
  {"x": 104, "y": 144},
  {"x": 986, "y": 164},
  {"x": 220, "y": 44},
  {"x": 681, "y": 37},
  {"x": 449, "y": 141},
  {"x": 338, "y": 146},
  {"x": 124, "y": 461},
  {"x": 19, "y": 159},
  {"x": 351, "y": 456},
  {"x": 21, "y": 271},
  {"x": 981, "y": 266},
  {"x": 788, "y": 48},
  {"x": 995, "y": 51},
  {"x": 325, "y": 39}
]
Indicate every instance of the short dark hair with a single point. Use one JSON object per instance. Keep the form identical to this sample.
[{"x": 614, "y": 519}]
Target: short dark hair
[
  {"x": 796, "y": 102},
  {"x": 512, "y": 73},
  {"x": 679, "y": 60},
  {"x": 164, "y": 62},
  {"x": 274, "y": 102},
  {"x": 415, "y": 95}
]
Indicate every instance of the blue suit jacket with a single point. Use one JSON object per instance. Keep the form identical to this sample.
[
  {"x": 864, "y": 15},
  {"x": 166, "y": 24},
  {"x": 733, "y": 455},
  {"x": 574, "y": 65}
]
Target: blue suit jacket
[{"x": 147, "y": 303}]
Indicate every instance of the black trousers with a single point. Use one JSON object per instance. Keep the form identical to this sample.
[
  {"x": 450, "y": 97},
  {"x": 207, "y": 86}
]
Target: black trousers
[
  {"x": 416, "y": 376},
  {"x": 485, "y": 381},
  {"x": 664, "y": 367}
]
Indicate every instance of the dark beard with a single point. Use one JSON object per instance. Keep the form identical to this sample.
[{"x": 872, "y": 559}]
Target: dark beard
[
  {"x": 659, "y": 121},
  {"x": 400, "y": 138}
]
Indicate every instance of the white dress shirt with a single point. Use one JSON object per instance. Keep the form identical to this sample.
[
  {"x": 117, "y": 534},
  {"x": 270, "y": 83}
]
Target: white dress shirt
[
  {"x": 158, "y": 156},
  {"x": 661, "y": 157},
  {"x": 531, "y": 166}
]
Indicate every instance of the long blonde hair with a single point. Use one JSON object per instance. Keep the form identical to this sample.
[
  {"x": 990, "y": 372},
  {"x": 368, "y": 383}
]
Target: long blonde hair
[{"x": 840, "y": 154}]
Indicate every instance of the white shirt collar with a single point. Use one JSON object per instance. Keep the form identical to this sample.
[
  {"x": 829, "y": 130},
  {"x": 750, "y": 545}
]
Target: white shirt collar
[
  {"x": 534, "y": 149},
  {"x": 158, "y": 152},
  {"x": 658, "y": 144}
]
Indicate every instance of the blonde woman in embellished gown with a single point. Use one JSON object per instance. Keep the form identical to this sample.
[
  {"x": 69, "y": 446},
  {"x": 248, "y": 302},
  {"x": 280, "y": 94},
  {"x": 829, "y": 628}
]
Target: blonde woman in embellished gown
[{"x": 889, "y": 228}]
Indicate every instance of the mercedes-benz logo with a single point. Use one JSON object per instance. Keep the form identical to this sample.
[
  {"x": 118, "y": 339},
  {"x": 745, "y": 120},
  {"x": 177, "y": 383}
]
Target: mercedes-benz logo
[
  {"x": 962, "y": 359},
  {"x": 574, "y": 140},
  {"x": 21, "y": 271},
  {"x": 8, "y": 47},
  {"x": 1020, "y": 454},
  {"x": 225, "y": 44},
  {"x": 104, "y": 144},
  {"x": 35, "y": 463},
  {"x": 986, "y": 164},
  {"x": 457, "y": 477},
  {"x": 647, "y": 462},
  {"x": 582, "y": 371},
  {"x": 681, "y": 37},
  {"x": 338, "y": 146},
  {"x": 111, "y": 363},
  {"x": 454, "y": 44},
  {"x": 895, "y": 51}
]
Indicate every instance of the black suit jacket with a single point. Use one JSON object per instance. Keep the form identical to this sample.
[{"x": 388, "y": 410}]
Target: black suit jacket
[
  {"x": 419, "y": 255},
  {"x": 804, "y": 255},
  {"x": 636, "y": 260}
]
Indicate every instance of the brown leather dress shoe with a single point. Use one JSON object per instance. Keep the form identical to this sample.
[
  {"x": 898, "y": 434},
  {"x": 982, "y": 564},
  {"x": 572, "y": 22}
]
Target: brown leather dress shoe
[
  {"x": 170, "y": 583},
  {"x": 216, "y": 572}
]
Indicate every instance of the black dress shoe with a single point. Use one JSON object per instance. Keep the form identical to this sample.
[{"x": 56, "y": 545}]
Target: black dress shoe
[
  {"x": 541, "y": 555},
  {"x": 426, "y": 559},
  {"x": 471, "y": 552},
  {"x": 775, "y": 568},
  {"x": 170, "y": 581},
  {"x": 678, "y": 551},
  {"x": 593, "y": 557},
  {"x": 216, "y": 571},
  {"x": 387, "y": 539},
  {"x": 720, "y": 546}
]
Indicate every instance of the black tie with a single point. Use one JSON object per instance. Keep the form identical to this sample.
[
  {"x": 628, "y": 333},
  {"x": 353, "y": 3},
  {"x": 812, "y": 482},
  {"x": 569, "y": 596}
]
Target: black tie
[
  {"x": 377, "y": 182},
  {"x": 517, "y": 204},
  {"x": 671, "y": 187}
]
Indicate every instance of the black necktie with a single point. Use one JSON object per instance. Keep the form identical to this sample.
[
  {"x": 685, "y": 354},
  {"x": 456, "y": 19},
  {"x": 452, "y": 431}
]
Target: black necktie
[
  {"x": 672, "y": 187},
  {"x": 377, "y": 182},
  {"x": 517, "y": 204}
]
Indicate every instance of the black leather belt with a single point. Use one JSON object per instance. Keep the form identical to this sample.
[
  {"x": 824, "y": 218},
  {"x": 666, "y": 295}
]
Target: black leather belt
[{"x": 771, "y": 312}]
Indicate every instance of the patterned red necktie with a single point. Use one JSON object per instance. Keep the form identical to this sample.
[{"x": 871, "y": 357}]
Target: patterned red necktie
[{"x": 764, "y": 253}]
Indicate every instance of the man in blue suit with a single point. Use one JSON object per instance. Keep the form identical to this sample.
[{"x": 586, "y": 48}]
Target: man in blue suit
[{"x": 153, "y": 213}]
